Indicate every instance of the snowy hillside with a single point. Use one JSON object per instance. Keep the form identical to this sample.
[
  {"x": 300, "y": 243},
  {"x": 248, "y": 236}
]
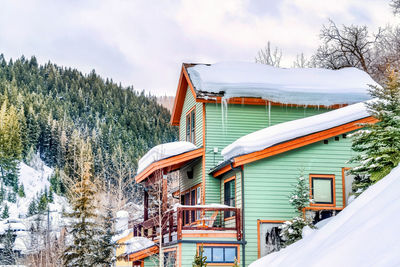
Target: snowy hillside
[{"x": 366, "y": 233}]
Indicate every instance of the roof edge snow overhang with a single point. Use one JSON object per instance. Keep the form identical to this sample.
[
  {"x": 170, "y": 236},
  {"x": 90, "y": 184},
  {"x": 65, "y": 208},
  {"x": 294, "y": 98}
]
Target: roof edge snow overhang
[
  {"x": 206, "y": 97},
  {"x": 171, "y": 163},
  {"x": 141, "y": 254},
  {"x": 290, "y": 145}
]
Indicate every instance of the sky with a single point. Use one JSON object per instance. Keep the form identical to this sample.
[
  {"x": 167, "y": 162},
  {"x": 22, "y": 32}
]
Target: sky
[{"x": 143, "y": 43}]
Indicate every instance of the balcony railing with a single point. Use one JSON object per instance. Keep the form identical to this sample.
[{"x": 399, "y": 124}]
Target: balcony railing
[{"x": 175, "y": 222}]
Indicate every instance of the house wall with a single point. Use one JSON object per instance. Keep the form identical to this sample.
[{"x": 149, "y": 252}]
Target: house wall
[
  {"x": 225, "y": 126},
  {"x": 269, "y": 182},
  {"x": 189, "y": 103},
  {"x": 184, "y": 182},
  {"x": 238, "y": 192}
]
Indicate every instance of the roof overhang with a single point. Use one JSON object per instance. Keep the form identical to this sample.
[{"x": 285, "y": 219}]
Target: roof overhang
[
  {"x": 169, "y": 164},
  {"x": 141, "y": 254},
  {"x": 290, "y": 145}
]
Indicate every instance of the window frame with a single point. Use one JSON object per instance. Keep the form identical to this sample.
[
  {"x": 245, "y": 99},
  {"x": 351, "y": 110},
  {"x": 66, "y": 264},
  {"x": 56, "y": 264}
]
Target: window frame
[
  {"x": 191, "y": 216},
  {"x": 190, "y": 127},
  {"x": 223, "y": 246},
  {"x": 228, "y": 214},
  {"x": 333, "y": 190}
]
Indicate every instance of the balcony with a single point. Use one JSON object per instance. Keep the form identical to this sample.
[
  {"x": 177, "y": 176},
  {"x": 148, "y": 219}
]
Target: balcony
[{"x": 183, "y": 220}]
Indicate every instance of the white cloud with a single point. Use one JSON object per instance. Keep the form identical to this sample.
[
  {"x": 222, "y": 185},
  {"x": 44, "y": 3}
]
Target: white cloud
[{"x": 143, "y": 43}]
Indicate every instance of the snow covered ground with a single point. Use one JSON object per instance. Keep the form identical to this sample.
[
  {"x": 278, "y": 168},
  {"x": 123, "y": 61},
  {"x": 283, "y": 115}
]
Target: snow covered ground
[
  {"x": 303, "y": 86},
  {"x": 366, "y": 233},
  {"x": 35, "y": 179}
]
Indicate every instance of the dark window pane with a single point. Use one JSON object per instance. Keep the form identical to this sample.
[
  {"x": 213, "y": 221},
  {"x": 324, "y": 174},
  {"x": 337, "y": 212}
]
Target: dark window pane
[
  {"x": 218, "y": 254},
  {"x": 230, "y": 254},
  {"x": 207, "y": 253},
  {"x": 229, "y": 196}
]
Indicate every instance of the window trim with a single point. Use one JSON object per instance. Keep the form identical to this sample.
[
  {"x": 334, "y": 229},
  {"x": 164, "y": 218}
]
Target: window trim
[
  {"x": 333, "y": 189},
  {"x": 192, "y": 132},
  {"x": 218, "y": 246},
  {"x": 226, "y": 181},
  {"x": 190, "y": 190}
]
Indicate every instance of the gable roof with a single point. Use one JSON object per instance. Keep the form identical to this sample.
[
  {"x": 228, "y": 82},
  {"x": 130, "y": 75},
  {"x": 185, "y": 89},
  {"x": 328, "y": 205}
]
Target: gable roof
[
  {"x": 259, "y": 84},
  {"x": 290, "y": 135}
]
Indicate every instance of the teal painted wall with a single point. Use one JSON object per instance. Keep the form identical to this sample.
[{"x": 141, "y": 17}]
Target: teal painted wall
[
  {"x": 269, "y": 182},
  {"x": 184, "y": 182},
  {"x": 188, "y": 104},
  {"x": 238, "y": 121}
]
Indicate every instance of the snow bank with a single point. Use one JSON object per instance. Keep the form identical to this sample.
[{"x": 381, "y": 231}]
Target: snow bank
[
  {"x": 366, "y": 233},
  {"x": 137, "y": 243},
  {"x": 164, "y": 151},
  {"x": 303, "y": 86},
  {"x": 282, "y": 132}
]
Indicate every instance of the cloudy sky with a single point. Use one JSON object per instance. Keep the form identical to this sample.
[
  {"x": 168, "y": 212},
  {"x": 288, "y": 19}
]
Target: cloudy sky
[{"x": 143, "y": 43}]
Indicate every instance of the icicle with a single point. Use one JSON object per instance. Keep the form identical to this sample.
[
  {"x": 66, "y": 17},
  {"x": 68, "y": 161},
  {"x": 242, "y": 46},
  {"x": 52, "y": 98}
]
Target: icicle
[
  {"x": 269, "y": 113},
  {"x": 224, "y": 114}
]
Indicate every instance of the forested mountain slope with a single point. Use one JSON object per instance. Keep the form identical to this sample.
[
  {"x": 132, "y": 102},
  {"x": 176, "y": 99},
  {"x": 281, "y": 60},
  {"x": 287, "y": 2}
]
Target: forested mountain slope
[{"x": 56, "y": 106}]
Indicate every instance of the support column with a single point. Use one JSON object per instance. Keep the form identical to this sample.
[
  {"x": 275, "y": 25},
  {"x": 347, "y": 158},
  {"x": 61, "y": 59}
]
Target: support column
[{"x": 146, "y": 205}]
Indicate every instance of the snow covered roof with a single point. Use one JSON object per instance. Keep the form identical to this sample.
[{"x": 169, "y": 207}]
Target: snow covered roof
[
  {"x": 286, "y": 131},
  {"x": 137, "y": 243},
  {"x": 164, "y": 151},
  {"x": 364, "y": 234},
  {"x": 302, "y": 86}
]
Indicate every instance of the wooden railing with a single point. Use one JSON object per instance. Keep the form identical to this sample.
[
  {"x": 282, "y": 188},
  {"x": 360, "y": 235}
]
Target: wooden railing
[{"x": 194, "y": 218}]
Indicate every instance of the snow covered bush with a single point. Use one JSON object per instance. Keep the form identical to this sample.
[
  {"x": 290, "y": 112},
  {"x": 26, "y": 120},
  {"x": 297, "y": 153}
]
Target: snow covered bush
[
  {"x": 300, "y": 197},
  {"x": 292, "y": 230}
]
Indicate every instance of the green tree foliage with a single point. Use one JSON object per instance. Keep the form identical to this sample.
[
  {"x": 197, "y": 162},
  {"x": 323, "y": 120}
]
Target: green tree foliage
[
  {"x": 55, "y": 103},
  {"x": 300, "y": 197},
  {"x": 10, "y": 143},
  {"x": 379, "y": 144},
  {"x": 21, "y": 191},
  {"x": 5, "y": 213},
  {"x": 7, "y": 255},
  {"x": 199, "y": 258}
]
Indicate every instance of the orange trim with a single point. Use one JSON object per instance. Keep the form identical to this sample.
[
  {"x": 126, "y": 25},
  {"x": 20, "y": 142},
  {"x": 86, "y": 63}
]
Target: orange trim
[
  {"x": 300, "y": 142},
  {"x": 169, "y": 249},
  {"x": 172, "y": 162},
  {"x": 230, "y": 179},
  {"x": 325, "y": 176},
  {"x": 183, "y": 84},
  {"x": 204, "y": 156},
  {"x": 323, "y": 208},
  {"x": 344, "y": 169},
  {"x": 225, "y": 181},
  {"x": 258, "y": 232},
  {"x": 259, "y": 101},
  {"x": 190, "y": 189},
  {"x": 180, "y": 254},
  {"x": 220, "y": 245},
  {"x": 143, "y": 253},
  {"x": 222, "y": 170},
  {"x": 219, "y": 235}
]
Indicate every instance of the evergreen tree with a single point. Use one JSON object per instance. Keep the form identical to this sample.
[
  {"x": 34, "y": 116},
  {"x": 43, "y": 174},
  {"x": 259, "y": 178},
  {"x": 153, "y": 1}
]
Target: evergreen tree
[
  {"x": 42, "y": 204},
  {"x": 300, "y": 197},
  {"x": 32, "y": 208},
  {"x": 106, "y": 246},
  {"x": 84, "y": 227},
  {"x": 51, "y": 197},
  {"x": 199, "y": 259},
  {"x": 12, "y": 197},
  {"x": 5, "y": 213},
  {"x": 7, "y": 255},
  {"x": 21, "y": 191},
  {"x": 379, "y": 144}
]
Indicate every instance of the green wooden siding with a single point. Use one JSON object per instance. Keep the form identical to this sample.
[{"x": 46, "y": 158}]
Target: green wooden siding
[
  {"x": 184, "y": 182},
  {"x": 188, "y": 104},
  {"x": 269, "y": 182},
  {"x": 238, "y": 193},
  {"x": 239, "y": 121}
]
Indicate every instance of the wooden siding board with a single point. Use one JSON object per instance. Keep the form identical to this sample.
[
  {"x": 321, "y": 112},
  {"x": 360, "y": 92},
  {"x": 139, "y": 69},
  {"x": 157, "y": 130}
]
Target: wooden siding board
[
  {"x": 240, "y": 120},
  {"x": 189, "y": 103},
  {"x": 184, "y": 182},
  {"x": 269, "y": 182}
]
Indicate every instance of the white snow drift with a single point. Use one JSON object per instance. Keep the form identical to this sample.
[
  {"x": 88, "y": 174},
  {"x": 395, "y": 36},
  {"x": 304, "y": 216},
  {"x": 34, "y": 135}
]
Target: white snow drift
[
  {"x": 366, "y": 233},
  {"x": 164, "y": 151},
  {"x": 278, "y": 133},
  {"x": 303, "y": 86}
]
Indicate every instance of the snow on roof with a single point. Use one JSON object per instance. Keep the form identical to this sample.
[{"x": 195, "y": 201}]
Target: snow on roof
[
  {"x": 282, "y": 132},
  {"x": 303, "y": 86},
  {"x": 137, "y": 243},
  {"x": 164, "y": 151},
  {"x": 364, "y": 234}
]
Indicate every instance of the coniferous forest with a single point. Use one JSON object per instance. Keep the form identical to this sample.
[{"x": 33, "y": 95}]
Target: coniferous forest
[{"x": 46, "y": 108}]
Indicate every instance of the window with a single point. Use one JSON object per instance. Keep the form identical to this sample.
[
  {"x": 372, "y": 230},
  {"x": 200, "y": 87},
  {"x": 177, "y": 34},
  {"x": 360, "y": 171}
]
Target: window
[
  {"x": 220, "y": 254},
  {"x": 191, "y": 197},
  {"x": 322, "y": 189},
  {"x": 229, "y": 195},
  {"x": 190, "y": 126}
]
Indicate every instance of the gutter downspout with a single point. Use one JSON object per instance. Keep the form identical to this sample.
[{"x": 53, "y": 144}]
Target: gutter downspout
[{"x": 243, "y": 221}]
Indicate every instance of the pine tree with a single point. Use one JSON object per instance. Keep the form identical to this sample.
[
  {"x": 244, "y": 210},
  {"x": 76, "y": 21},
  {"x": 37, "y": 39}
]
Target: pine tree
[
  {"x": 300, "y": 197},
  {"x": 5, "y": 213},
  {"x": 7, "y": 255},
  {"x": 106, "y": 246},
  {"x": 32, "y": 208},
  {"x": 21, "y": 191},
  {"x": 84, "y": 227},
  {"x": 199, "y": 259},
  {"x": 379, "y": 144}
]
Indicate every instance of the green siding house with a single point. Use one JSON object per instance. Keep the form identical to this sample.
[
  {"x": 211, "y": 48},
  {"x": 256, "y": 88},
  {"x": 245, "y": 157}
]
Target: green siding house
[{"x": 247, "y": 132}]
